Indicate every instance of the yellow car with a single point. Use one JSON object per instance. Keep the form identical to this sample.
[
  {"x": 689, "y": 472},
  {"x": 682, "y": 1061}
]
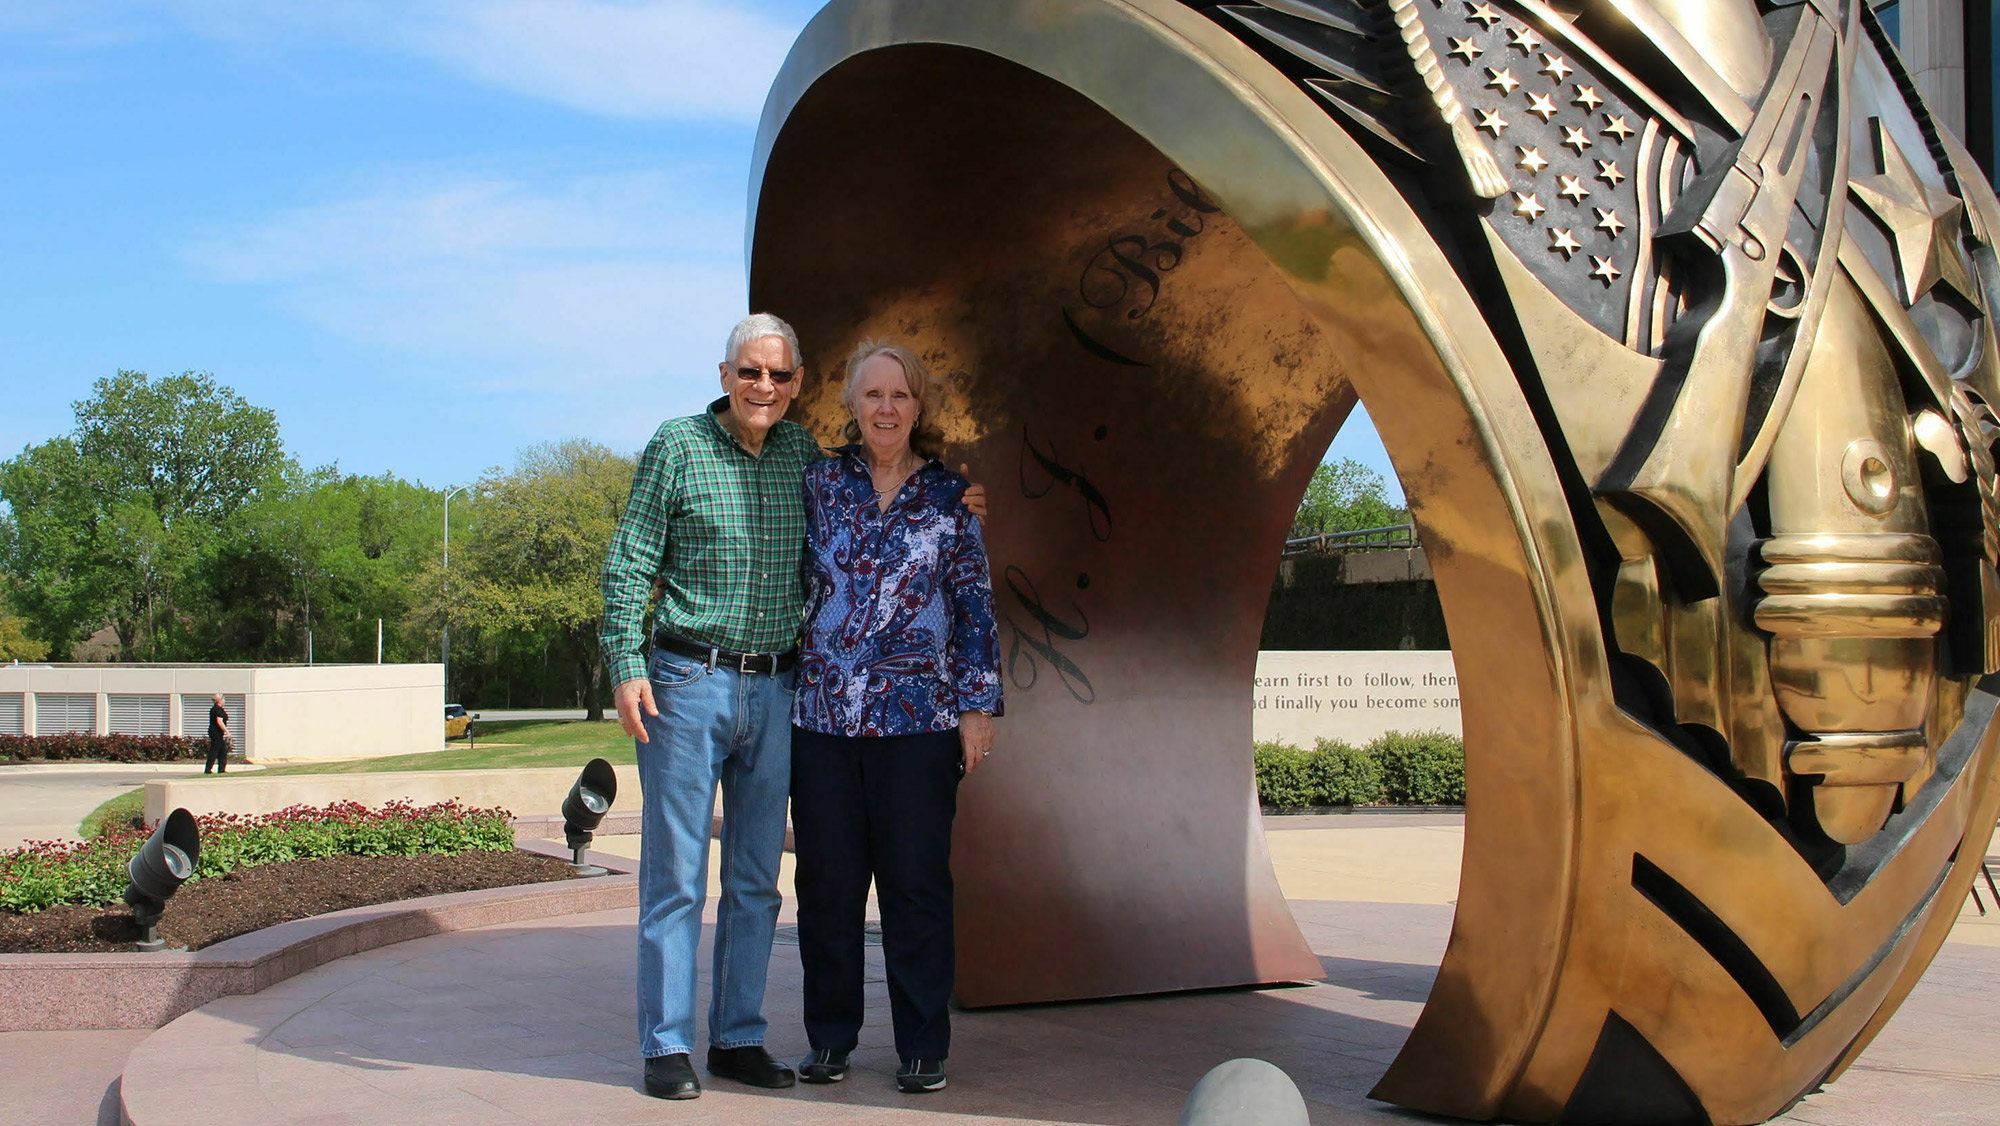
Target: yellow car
[{"x": 458, "y": 721}]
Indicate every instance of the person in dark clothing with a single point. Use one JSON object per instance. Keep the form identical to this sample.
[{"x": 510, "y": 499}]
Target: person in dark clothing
[{"x": 218, "y": 737}]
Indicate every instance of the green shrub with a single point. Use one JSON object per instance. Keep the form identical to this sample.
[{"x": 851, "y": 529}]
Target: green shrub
[
  {"x": 1284, "y": 778},
  {"x": 43, "y": 874},
  {"x": 1421, "y": 768},
  {"x": 1342, "y": 774}
]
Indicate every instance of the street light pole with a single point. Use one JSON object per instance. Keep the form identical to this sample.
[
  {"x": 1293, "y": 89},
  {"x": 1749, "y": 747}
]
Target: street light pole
[{"x": 444, "y": 651}]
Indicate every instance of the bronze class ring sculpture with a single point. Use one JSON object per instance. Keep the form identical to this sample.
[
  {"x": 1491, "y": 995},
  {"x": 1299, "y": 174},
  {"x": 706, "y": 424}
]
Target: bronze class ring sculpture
[{"x": 1676, "y": 318}]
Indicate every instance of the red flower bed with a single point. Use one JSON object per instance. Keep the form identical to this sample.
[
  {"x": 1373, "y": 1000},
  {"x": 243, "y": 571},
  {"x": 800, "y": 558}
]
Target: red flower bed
[{"x": 42, "y": 874}]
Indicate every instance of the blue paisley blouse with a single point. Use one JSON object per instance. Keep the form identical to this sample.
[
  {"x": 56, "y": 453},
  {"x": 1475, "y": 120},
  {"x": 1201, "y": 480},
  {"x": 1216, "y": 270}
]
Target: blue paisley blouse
[{"x": 900, "y": 636}]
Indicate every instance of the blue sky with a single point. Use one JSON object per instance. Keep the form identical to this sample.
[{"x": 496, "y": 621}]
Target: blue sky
[{"x": 425, "y": 232}]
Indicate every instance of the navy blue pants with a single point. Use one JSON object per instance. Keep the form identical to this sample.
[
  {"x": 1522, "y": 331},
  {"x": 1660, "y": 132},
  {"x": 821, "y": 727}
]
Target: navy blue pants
[{"x": 880, "y": 808}]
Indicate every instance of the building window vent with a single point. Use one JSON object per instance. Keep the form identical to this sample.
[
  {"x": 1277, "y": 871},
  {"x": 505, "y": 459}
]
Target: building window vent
[
  {"x": 10, "y": 714},
  {"x": 60, "y": 713},
  {"x": 139, "y": 715}
]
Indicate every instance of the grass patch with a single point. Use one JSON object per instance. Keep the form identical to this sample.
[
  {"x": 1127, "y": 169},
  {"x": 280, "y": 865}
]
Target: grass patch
[
  {"x": 120, "y": 812},
  {"x": 531, "y": 743}
]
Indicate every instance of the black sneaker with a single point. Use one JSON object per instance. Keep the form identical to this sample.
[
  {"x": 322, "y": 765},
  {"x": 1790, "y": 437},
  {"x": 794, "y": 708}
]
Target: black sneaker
[
  {"x": 749, "y": 1064},
  {"x": 917, "y": 1076},
  {"x": 824, "y": 1065},
  {"x": 672, "y": 1077}
]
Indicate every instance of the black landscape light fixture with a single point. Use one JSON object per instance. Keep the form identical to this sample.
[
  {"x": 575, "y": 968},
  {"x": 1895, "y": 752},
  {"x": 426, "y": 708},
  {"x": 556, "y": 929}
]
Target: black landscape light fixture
[
  {"x": 585, "y": 806},
  {"x": 157, "y": 871}
]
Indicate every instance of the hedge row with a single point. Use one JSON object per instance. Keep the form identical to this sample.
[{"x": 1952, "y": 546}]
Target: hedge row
[
  {"x": 104, "y": 748},
  {"x": 42, "y": 874},
  {"x": 1421, "y": 768}
]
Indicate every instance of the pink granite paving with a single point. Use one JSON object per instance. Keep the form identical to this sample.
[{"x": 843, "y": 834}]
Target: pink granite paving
[
  {"x": 63, "y": 1078},
  {"x": 534, "y": 1023},
  {"x": 530, "y": 1023}
]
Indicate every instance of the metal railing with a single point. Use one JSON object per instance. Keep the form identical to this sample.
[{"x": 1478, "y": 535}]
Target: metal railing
[{"x": 1396, "y": 537}]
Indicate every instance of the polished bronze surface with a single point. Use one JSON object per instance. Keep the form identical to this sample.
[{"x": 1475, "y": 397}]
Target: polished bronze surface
[{"x": 1702, "y": 457}]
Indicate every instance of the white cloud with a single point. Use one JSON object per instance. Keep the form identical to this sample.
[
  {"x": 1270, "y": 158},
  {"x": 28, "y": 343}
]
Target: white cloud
[
  {"x": 476, "y": 221},
  {"x": 676, "y": 59},
  {"x": 665, "y": 59},
  {"x": 562, "y": 296},
  {"x": 67, "y": 28}
]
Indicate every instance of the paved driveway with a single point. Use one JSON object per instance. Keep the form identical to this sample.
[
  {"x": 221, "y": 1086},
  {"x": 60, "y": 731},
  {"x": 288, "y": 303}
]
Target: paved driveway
[{"x": 45, "y": 801}]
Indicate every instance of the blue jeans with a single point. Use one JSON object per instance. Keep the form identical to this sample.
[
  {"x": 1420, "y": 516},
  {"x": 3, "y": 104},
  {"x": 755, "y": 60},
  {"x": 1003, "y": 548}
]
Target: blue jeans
[{"x": 715, "y": 725}]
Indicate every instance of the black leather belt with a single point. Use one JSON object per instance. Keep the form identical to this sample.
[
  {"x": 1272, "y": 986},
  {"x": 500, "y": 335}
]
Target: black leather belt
[{"x": 726, "y": 658}]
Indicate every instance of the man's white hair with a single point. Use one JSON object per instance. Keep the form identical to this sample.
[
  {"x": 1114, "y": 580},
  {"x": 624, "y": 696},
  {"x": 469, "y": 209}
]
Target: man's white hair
[{"x": 757, "y": 326}]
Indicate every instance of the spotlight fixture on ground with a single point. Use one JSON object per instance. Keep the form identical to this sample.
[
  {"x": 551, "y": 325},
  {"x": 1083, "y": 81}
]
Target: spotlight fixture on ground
[
  {"x": 585, "y": 806},
  {"x": 158, "y": 869}
]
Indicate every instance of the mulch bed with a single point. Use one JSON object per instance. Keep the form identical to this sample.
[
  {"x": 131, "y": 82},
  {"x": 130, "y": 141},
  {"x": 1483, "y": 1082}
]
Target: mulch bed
[{"x": 250, "y": 899}]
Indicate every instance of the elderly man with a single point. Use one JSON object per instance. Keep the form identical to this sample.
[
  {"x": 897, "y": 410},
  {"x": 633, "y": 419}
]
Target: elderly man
[{"x": 717, "y": 518}]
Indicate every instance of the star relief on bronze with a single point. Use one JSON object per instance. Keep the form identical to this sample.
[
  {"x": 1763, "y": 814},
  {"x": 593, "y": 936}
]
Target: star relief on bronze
[{"x": 1923, "y": 221}]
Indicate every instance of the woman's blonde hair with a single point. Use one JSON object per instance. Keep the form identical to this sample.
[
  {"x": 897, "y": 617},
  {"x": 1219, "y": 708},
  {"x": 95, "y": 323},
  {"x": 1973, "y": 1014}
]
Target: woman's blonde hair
[{"x": 926, "y": 438}]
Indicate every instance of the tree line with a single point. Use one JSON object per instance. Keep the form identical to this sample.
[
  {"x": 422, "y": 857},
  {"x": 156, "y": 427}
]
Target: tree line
[{"x": 170, "y": 524}]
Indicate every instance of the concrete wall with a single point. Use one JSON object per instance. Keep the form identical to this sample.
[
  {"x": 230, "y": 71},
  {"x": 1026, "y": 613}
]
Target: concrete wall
[
  {"x": 290, "y": 712},
  {"x": 346, "y": 711},
  {"x": 1303, "y": 695},
  {"x": 1388, "y": 565},
  {"x": 524, "y": 793}
]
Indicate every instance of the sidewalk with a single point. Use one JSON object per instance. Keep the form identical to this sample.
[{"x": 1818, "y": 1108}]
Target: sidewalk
[
  {"x": 42, "y": 801},
  {"x": 534, "y": 1023}
]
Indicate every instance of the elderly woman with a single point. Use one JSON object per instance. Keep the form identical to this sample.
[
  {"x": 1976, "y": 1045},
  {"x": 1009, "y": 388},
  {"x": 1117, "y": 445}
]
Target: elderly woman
[
  {"x": 898, "y": 684},
  {"x": 218, "y": 737}
]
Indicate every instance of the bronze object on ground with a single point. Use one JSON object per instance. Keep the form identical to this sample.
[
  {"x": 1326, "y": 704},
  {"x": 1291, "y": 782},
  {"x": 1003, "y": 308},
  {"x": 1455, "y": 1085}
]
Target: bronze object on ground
[{"x": 1675, "y": 317}]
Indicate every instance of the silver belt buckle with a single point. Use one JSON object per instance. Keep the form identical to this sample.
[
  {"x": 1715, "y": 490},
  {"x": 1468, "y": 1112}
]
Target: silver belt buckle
[{"x": 743, "y": 661}]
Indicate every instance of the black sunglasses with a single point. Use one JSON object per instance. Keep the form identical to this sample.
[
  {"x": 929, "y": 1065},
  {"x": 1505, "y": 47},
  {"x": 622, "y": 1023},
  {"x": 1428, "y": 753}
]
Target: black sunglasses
[{"x": 779, "y": 375}]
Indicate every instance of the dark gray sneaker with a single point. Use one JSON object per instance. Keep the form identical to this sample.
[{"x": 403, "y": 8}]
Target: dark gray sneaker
[
  {"x": 918, "y": 1076},
  {"x": 823, "y": 1065}
]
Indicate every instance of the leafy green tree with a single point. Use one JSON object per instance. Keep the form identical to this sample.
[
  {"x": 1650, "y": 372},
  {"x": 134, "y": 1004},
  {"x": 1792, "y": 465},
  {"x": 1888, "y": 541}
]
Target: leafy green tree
[
  {"x": 111, "y": 521},
  {"x": 16, "y": 643},
  {"x": 317, "y": 560},
  {"x": 186, "y": 445},
  {"x": 539, "y": 538},
  {"x": 62, "y": 582},
  {"x": 1345, "y": 496}
]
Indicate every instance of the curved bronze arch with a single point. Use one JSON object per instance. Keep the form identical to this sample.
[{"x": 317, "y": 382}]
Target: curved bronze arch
[{"x": 1159, "y": 271}]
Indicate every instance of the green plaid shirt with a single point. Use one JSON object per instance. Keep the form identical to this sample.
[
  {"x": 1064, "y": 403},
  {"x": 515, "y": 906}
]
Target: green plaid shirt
[{"x": 725, "y": 529}]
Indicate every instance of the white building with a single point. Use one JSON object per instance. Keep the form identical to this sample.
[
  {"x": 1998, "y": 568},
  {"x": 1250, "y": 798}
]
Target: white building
[{"x": 276, "y": 712}]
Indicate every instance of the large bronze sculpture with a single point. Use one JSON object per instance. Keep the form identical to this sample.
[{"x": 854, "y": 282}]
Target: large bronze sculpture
[{"x": 1676, "y": 318}]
